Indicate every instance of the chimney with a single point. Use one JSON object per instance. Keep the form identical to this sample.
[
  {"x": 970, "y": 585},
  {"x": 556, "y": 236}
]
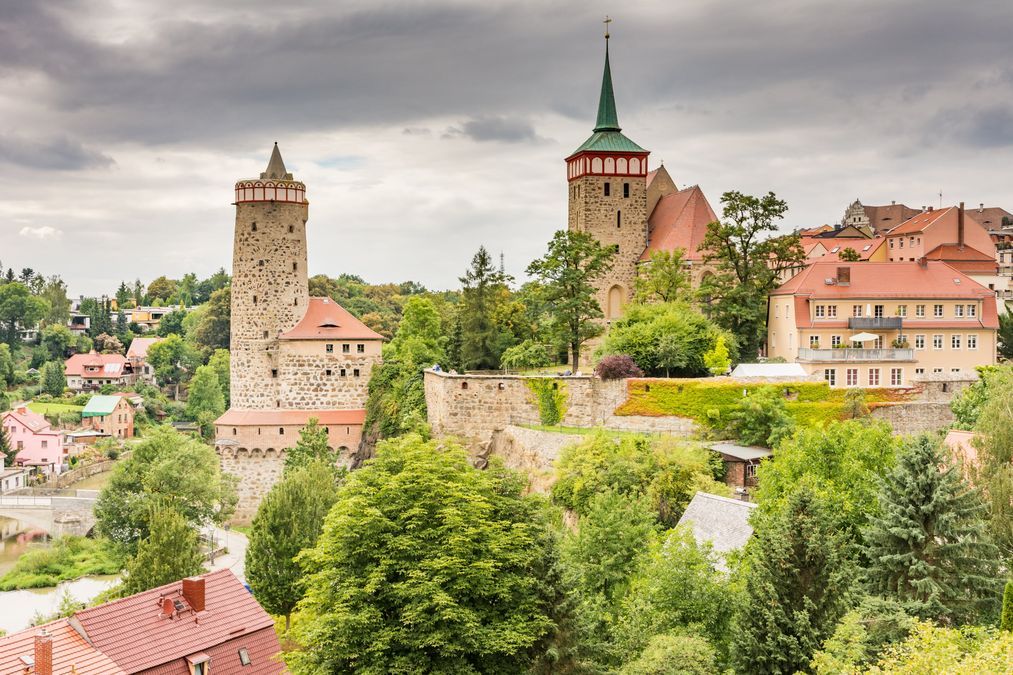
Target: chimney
[
  {"x": 960, "y": 227},
  {"x": 931, "y": 208},
  {"x": 981, "y": 206},
  {"x": 843, "y": 276},
  {"x": 923, "y": 262},
  {"x": 193, "y": 592},
  {"x": 893, "y": 202},
  {"x": 43, "y": 654}
]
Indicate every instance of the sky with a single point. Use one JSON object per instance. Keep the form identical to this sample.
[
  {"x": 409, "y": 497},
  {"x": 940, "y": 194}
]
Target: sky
[{"x": 424, "y": 130}]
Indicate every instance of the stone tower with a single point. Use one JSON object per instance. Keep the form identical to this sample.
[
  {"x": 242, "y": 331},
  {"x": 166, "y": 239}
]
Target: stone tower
[
  {"x": 270, "y": 290},
  {"x": 607, "y": 178}
]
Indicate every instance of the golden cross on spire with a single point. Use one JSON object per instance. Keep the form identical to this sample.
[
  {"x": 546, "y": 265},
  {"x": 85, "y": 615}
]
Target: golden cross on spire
[{"x": 607, "y": 21}]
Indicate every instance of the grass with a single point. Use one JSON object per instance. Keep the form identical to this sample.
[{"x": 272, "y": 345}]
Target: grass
[
  {"x": 242, "y": 529},
  {"x": 586, "y": 431},
  {"x": 54, "y": 408},
  {"x": 65, "y": 559}
]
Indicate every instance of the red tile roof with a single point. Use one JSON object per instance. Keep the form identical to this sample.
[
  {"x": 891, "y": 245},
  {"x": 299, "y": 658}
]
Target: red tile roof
[
  {"x": 679, "y": 220},
  {"x": 261, "y": 646},
  {"x": 70, "y": 651},
  {"x": 864, "y": 247},
  {"x": 884, "y": 217},
  {"x": 139, "y": 347},
  {"x": 327, "y": 320},
  {"x": 300, "y": 418},
  {"x": 33, "y": 420},
  {"x": 989, "y": 217},
  {"x": 920, "y": 222},
  {"x": 134, "y": 634},
  {"x": 884, "y": 280},
  {"x": 111, "y": 365}
]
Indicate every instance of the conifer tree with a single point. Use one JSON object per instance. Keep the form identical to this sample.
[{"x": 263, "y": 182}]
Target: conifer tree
[
  {"x": 288, "y": 520},
  {"x": 798, "y": 585},
  {"x": 929, "y": 547},
  {"x": 170, "y": 552},
  {"x": 7, "y": 452},
  {"x": 53, "y": 379},
  {"x": 481, "y": 345},
  {"x": 311, "y": 446},
  {"x": 1006, "y": 621}
]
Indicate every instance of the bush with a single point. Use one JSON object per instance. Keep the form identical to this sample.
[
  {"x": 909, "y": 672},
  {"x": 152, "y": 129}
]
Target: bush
[
  {"x": 112, "y": 453},
  {"x": 762, "y": 418},
  {"x": 617, "y": 367},
  {"x": 527, "y": 354}
]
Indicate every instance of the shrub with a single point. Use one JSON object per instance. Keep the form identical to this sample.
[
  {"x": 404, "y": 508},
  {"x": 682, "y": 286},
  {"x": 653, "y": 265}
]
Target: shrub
[
  {"x": 112, "y": 453},
  {"x": 617, "y": 367},
  {"x": 527, "y": 354},
  {"x": 550, "y": 397}
]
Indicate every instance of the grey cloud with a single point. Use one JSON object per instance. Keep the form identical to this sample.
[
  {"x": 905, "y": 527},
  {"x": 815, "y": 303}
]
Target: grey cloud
[
  {"x": 498, "y": 129},
  {"x": 52, "y": 154}
]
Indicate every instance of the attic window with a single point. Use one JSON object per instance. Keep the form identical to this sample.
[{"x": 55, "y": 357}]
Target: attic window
[
  {"x": 244, "y": 656},
  {"x": 329, "y": 349},
  {"x": 361, "y": 349}
]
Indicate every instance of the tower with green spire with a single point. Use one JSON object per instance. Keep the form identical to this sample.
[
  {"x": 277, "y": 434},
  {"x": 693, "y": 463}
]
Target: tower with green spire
[{"x": 607, "y": 178}]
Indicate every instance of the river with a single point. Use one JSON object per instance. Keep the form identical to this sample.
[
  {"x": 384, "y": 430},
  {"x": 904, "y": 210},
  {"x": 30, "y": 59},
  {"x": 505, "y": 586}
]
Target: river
[{"x": 17, "y": 608}]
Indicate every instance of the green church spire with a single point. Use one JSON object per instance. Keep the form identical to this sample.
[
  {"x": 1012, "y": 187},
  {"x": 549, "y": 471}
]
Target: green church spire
[{"x": 607, "y": 118}]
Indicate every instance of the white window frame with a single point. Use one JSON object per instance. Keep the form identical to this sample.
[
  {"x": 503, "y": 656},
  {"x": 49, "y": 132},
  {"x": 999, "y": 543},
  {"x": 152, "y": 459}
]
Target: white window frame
[
  {"x": 901, "y": 310},
  {"x": 937, "y": 341},
  {"x": 937, "y": 311},
  {"x": 851, "y": 377},
  {"x": 874, "y": 371},
  {"x": 835, "y": 340},
  {"x": 830, "y": 375},
  {"x": 920, "y": 310},
  {"x": 821, "y": 311},
  {"x": 958, "y": 311},
  {"x": 856, "y": 311},
  {"x": 972, "y": 311},
  {"x": 896, "y": 377},
  {"x": 919, "y": 342},
  {"x": 955, "y": 341},
  {"x": 972, "y": 341},
  {"x": 831, "y": 311}
]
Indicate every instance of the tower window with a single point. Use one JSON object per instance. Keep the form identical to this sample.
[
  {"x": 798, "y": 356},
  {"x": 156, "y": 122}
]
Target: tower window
[
  {"x": 608, "y": 189},
  {"x": 342, "y": 371},
  {"x": 254, "y": 299},
  {"x": 265, "y": 334},
  {"x": 295, "y": 301},
  {"x": 274, "y": 372},
  {"x": 355, "y": 372},
  {"x": 328, "y": 372},
  {"x": 260, "y": 263},
  {"x": 295, "y": 267},
  {"x": 329, "y": 349},
  {"x": 253, "y": 227},
  {"x": 626, "y": 190},
  {"x": 345, "y": 349},
  {"x": 619, "y": 219},
  {"x": 291, "y": 229},
  {"x": 281, "y": 431}
]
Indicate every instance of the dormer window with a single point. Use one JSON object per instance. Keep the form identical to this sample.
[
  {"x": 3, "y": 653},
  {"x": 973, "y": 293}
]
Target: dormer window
[
  {"x": 200, "y": 664},
  {"x": 329, "y": 349}
]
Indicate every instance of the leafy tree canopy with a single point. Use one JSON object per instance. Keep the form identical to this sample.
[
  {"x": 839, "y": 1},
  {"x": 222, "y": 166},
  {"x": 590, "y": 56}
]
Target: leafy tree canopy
[{"x": 170, "y": 552}]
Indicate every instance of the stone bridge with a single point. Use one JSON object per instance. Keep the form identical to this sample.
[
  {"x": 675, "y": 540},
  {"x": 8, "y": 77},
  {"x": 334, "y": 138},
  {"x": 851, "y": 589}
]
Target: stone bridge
[{"x": 58, "y": 515}]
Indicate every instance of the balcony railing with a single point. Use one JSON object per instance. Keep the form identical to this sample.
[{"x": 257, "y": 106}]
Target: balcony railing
[
  {"x": 875, "y": 322},
  {"x": 853, "y": 354}
]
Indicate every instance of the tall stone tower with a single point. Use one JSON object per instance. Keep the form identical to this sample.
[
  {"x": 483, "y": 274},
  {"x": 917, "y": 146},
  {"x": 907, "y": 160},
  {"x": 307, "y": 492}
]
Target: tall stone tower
[
  {"x": 270, "y": 290},
  {"x": 607, "y": 178}
]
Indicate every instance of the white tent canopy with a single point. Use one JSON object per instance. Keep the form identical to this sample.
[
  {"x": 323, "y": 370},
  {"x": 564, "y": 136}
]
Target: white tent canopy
[{"x": 863, "y": 337}]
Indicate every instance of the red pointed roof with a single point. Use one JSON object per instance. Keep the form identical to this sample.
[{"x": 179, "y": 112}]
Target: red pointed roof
[
  {"x": 70, "y": 650},
  {"x": 967, "y": 259},
  {"x": 919, "y": 223},
  {"x": 33, "y": 420},
  {"x": 679, "y": 221},
  {"x": 327, "y": 320},
  {"x": 111, "y": 365}
]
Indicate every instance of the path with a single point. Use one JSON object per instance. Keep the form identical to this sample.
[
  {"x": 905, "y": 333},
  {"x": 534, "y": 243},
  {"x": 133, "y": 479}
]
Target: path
[{"x": 235, "y": 559}]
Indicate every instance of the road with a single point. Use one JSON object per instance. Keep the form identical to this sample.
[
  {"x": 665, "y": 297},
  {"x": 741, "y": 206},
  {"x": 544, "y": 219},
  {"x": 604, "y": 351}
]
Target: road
[{"x": 235, "y": 559}]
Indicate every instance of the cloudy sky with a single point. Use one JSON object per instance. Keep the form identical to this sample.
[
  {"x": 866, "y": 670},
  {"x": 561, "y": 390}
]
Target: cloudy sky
[{"x": 425, "y": 129}]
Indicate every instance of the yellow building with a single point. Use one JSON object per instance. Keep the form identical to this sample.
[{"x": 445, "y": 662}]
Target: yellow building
[{"x": 873, "y": 324}]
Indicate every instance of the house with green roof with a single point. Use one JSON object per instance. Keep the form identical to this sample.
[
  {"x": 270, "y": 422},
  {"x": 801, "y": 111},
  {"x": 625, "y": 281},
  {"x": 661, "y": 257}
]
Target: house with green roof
[{"x": 113, "y": 415}]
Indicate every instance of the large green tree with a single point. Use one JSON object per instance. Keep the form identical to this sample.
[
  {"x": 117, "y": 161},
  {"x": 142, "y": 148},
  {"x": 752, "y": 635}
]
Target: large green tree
[
  {"x": 19, "y": 309},
  {"x": 1005, "y": 335},
  {"x": 746, "y": 258},
  {"x": 161, "y": 288},
  {"x": 993, "y": 471},
  {"x": 798, "y": 584},
  {"x": 205, "y": 401},
  {"x": 54, "y": 292},
  {"x": 929, "y": 547},
  {"x": 313, "y": 446},
  {"x": 425, "y": 564},
  {"x": 170, "y": 552},
  {"x": 288, "y": 520},
  {"x": 174, "y": 361},
  {"x": 7, "y": 378},
  {"x": 165, "y": 469},
  {"x": 52, "y": 378},
  {"x": 219, "y": 362},
  {"x": 482, "y": 285},
  {"x": 57, "y": 340},
  {"x": 211, "y": 324},
  {"x": 663, "y": 278},
  {"x": 568, "y": 271}
]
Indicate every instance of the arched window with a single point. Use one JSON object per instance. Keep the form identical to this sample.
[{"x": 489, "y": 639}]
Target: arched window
[
  {"x": 610, "y": 165},
  {"x": 596, "y": 165},
  {"x": 615, "y": 302},
  {"x": 634, "y": 165},
  {"x": 622, "y": 166}
]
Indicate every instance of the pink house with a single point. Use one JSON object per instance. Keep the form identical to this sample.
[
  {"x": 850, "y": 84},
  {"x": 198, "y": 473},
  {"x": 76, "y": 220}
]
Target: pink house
[{"x": 36, "y": 442}]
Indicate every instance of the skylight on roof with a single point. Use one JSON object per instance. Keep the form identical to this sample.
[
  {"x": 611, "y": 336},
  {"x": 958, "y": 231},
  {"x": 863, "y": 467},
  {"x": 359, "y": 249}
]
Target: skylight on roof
[
  {"x": 867, "y": 247},
  {"x": 111, "y": 367},
  {"x": 835, "y": 249}
]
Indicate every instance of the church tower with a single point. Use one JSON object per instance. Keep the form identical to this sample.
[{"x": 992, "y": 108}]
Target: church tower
[
  {"x": 607, "y": 177},
  {"x": 270, "y": 290}
]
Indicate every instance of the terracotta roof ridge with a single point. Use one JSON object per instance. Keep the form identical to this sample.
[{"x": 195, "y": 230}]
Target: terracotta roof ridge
[{"x": 151, "y": 591}]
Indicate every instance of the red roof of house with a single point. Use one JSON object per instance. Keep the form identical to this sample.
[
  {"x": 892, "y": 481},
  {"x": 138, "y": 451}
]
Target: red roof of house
[
  {"x": 864, "y": 247},
  {"x": 112, "y": 365},
  {"x": 139, "y": 347},
  {"x": 137, "y": 636},
  {"x": 989, "y": 217},
  {"x": 884, "y": 217},
  {"x": 300, "y": 418},
  {"x": 679, "y": 220},
  {"x": 70, "y": 651},
  {"x": 884, "y": 280},
  {"x": 920, "y": 222},
  {"x": 964, "y": 258},
  {"x": 261, "y": 646},
  {"x": 327, "y": 320},
  {"x": 33, "y": 420}
]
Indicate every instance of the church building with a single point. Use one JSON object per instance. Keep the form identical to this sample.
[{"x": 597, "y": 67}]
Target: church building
[
  {"x": 293, "y": 357},
  {"x": 614, "y": 196}
]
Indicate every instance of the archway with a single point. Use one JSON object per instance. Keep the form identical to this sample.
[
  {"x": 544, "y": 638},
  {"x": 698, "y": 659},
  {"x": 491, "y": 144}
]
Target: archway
[{"x": 616, "y": 300}]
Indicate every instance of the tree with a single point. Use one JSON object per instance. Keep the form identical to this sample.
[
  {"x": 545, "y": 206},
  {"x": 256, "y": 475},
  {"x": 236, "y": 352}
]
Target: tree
[
  {"x": 7, "y": 378},
  {"x": 172, "y": 323},
  {"x": 219, "y": 362},
  {"x": 680, "y": 654},
  {"x": 7, "y": 453},
  {"x": 52, "y": 379},
  {"x": 762, "y": 418},
  {"x": 170, "y": 552},
  {"x": 854, "y": 405},
  {"x": 969, "y": 402},
  {"x": 312, "y": 446},
  {"x": 54, "y": 291},
  {"x": 993, "y": 471},
  {"x": 716, "y": 359},
  {"x": 1005, "y": 336},
  {"x": 205, "y": 402},
  {"x": 842, "y": 462},
  {"x": 929, "y": 547},
  {"x": 425, "y": 564},
  {"x": 211, "y": 329},
  {"x": 663, "y": 279},
  {"x": 186, "y": 289},
  {"x": 745, "y": 266},
  {"x": 862, "y": 636},
  {"x": 568, "y": 272},
  {"x": 161, "y": 287},
  {"x": 18, "y": 309},
  {"x": 798, "y": 584},
  {"x": 526, "y": 355},
  {"x": 122, "y": 295},
  {"x": 482, "y": 342},
  {"x": 617, "y": 367},
  {"x": 173, "y": 360},
  {"x": 57, "y": 340},
  {"x": 169, "y": 470},
  {"x": 665, "y": 339},
  {"x": 849, "y": 255},
  {"x": 680, "y": 586},
  {"x": 933, "y": 649},
  {"x": 288, "y": 520},
  {"x": 108, "y": 344},
  {"x": 1006, "y": 618},
  {"x": 139, "y": 295}
]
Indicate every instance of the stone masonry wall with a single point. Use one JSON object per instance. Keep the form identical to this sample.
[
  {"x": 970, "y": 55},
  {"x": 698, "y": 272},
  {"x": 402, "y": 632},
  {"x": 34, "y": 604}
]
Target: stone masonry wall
[
  {"x": 312, "y": 379},
  {"x": 592, "y": 212},
  {"x": 259, "y": 469},
  {"x": 270, "y": 294}
]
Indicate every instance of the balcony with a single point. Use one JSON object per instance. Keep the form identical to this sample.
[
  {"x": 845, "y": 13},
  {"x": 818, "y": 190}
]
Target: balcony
[
  {"x": 875, "y": 323},
  {"x": 853, "y": 355}
]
